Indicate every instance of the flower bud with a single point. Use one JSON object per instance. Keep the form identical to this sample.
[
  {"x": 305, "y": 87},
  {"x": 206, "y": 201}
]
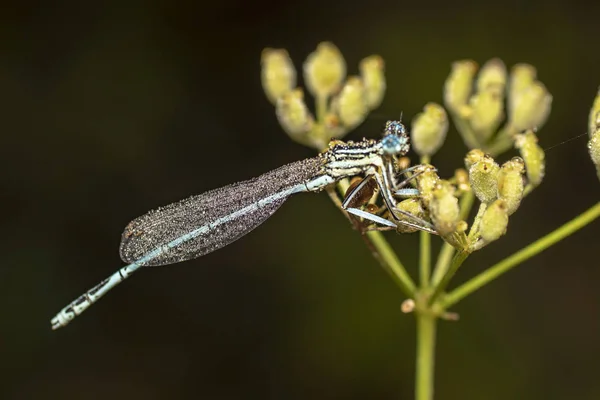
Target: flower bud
[
  {"x": 533, "y": 155},
  {"x": 521, "y": 76},
  {"x": 324, "y": 70},
  {"x": 594, "y": 119},
  {"x": 510, "y": 183},
  {"x": 429, "y": 129},
  {"x": 531, "y": 107},
  {"x": 483, "y": 177},
  {"x": 293, "y": 115},
  {"x": 474, "y": 156},
  {"x": 494, "y": 221},
  {"x": 426, "y": 183},
  {"x": 373, "y": 76},
  {"x": 487, "y": 112},
  {"x": 461, "y": 227},
  {"x": 459, "y": 84},
  {"x": 278, "y": 74},
  {"x": 594, "y": 148},
  {"x": 412, "y": 206},
  {"x": 444, "y": 209},
  {"x": 492, "y": 73},
  {"x": 350, "y": 104}
]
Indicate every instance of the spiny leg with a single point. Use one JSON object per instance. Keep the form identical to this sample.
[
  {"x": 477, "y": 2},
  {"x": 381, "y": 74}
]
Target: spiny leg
[
  {"x": 388, "y": 225},
  {"x": 371, "y": 217},
  {"x": 387, "y": 196},
  {"x": 389, "y": 203}
]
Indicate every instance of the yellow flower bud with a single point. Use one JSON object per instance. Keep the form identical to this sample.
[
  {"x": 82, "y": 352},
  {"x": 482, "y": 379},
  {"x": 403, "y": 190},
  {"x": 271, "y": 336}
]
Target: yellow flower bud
[
  {"x": 487, "y": 112},
  {"x": 461, "y": 227},
  {"x": 278, "y": 74},
  {"x": 483, "y": 177},
  {"x": 531, "y": 107},
  {"x": 429, "y": 129},
  {"x": 324, "y": 70},
  {"x": 510, "y": 183},
  {"x": 474, "y": 156},
  {"x": 492, "y": 73},
  {"x": 444, "y": 209},
  {"x": 373, "y": 76},
  {"x": 459, "y": 84},
  {"x": 494, "y": 221},
  {"x": 426, "y": 183},
  {"x": 521, "y": 76},
  {"x": 533, "y": 155},
  {"x": 594, "y": 119},
  {"x": 293, "y": 115},
  {"x": 594, "y": 148},
  {"x": 350, "y": 104},
  {"x": 412, "y": 206}
]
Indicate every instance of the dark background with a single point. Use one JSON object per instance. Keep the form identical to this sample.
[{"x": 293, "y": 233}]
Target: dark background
[{"x": 110, "y": 109}]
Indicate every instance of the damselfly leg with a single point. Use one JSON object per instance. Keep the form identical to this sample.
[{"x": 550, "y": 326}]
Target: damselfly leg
[{"x": 389, "y": 189}]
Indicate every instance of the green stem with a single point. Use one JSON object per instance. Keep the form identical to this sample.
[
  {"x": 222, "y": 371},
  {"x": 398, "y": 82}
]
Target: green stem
[
  {"x": 522, "y": 255},
  {"x": 457, "y": 261},
  {"x": 425, "y": 258},
  {"x": 425, "y": 248},
  {"x": 425, "y": 366},
  {"x": 321, "y": 108},
  {"x": 393, "y": 264},
  {"x": 445, "y": 257},
  {"x": 466, "y": 203},
  {"x": 476, "y": 222},
  {"x": 443, "y": 263}
]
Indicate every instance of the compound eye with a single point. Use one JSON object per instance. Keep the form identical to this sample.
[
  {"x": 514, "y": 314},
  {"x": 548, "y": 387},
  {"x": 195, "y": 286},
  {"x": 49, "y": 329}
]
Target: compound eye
[
  {"x": 395, "y": 128},
  {"x": 392, "y": 144}
]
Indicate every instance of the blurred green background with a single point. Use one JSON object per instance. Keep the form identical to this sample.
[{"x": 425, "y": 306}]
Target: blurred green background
[{"x": 112, "y": 108}]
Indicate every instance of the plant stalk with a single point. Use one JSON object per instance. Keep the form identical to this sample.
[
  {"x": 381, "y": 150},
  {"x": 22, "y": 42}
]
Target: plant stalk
[
  {"x": 457, "y": 261},
  {"x": 425, "y": 362},
  {"x": 522, "y": 255},
  {"x": 425, "y": 248},
  {"x": 392, "y": 263}
]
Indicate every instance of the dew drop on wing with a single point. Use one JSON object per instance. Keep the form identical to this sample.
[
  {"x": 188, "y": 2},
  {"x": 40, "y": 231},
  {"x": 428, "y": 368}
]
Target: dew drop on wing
[{"x": 166, "y": 224}]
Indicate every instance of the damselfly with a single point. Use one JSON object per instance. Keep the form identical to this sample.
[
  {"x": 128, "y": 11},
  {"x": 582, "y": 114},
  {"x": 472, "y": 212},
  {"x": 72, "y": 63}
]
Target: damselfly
[{"x": 201, "y": 224}]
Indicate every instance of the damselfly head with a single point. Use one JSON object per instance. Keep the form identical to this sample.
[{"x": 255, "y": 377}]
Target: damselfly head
[{"x": 395, "y": 139}]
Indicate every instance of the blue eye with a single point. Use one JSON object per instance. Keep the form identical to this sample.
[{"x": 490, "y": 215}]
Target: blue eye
[
  {"x": 395, "y": 128},
  {"x": 393, "y": 144}
]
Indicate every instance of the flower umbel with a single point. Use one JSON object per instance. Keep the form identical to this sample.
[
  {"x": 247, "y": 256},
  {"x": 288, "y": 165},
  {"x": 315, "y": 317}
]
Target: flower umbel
[
  {"x": 342, "y": 103},
  {"x": 479, "y": 106}
]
